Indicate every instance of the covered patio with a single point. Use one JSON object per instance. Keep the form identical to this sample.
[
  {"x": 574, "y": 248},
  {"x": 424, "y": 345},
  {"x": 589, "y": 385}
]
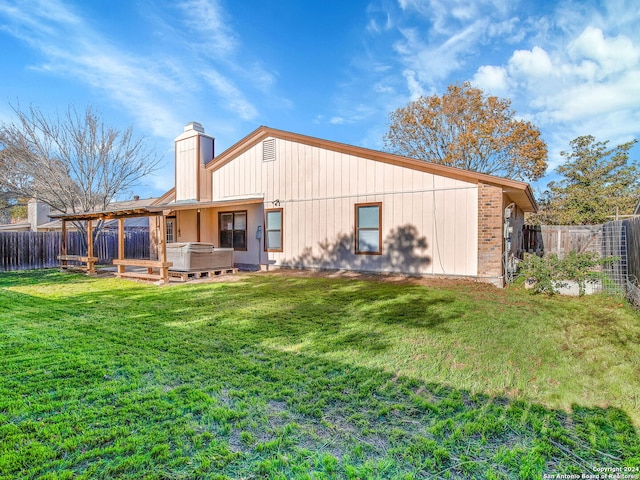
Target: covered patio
[
  {"x": 196, "y": 226},
  {"x": 156, "y": 269}
]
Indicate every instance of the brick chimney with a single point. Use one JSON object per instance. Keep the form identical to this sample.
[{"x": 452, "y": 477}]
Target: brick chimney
[{"x": 193, "y": 149}]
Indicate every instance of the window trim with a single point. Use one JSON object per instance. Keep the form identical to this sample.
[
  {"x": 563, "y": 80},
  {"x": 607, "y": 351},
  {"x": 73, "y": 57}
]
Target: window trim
[
  {"x": 357, "y": 230},
  {"x": 266, "y": 230},
  {"x": 246, "y": 229}
]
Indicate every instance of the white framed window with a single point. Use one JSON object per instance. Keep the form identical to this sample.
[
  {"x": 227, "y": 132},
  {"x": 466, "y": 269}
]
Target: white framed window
[
  {"x": 273, "y": 230},
  {"x": 368, "y": 231},
  {"x": 171, "y": 229}
]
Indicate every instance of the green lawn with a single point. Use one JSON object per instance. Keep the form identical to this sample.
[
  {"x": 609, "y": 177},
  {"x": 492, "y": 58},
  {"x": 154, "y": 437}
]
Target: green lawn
[{"x": 285, "y": 376}]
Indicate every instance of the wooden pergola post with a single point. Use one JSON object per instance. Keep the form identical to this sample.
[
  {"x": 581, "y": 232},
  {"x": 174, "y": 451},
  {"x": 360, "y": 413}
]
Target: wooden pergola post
[
  {"x": 120, "y": 243},
  {"x": 162, "y": 249},
  {"x": 63, "y": 245},
  {"x": 90, "y": 258}
]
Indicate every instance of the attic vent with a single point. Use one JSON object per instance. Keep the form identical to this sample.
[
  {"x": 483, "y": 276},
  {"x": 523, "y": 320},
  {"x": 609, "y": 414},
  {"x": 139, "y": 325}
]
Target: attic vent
[{"x": 269, "y": 150}]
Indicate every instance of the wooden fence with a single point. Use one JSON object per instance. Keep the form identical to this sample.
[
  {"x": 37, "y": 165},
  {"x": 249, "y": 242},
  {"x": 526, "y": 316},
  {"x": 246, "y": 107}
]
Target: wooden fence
[
  {"x": 631, "y": 245},
  {"x": 560, "y": 239},
  {"x": 633, "y": 248},
  {"x": 32, "y": 250}
]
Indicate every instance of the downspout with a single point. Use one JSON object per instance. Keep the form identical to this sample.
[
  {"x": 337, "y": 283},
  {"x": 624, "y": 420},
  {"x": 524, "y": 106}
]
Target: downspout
[{"x": 198, "y": 225}]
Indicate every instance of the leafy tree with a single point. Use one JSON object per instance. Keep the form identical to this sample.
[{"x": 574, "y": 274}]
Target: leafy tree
[
  {"x": 465, "y": 128},
  {"x": 74, "y": 163},
  {"x": 12, "y": 209},
  {"x": 598, "y": 183}
]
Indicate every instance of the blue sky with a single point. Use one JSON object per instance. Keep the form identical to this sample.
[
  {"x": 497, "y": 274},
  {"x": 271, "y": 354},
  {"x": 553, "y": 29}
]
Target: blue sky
[{"x": 331, "y": 69}]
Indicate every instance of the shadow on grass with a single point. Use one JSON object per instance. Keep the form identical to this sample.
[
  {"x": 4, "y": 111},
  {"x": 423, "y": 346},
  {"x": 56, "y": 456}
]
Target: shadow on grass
[{"x": 190, "y": 370}]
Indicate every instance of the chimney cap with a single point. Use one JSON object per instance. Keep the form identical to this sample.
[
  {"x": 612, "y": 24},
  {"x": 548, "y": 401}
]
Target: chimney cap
[
  {"x": 194, "y": 126},
  {"x": 136, "y": 197}
]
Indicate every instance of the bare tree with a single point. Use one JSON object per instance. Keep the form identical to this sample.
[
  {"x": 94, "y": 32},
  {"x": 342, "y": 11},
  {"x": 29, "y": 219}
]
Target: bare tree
[{"x": 74, "y": 163}]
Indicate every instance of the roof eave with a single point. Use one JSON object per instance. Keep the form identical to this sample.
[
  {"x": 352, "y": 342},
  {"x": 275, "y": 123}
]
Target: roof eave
[{"x": 526, "y": 200}]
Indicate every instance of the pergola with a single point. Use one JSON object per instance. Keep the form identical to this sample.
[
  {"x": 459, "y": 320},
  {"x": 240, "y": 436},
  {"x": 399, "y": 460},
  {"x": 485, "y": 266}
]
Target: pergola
[{"x": 156, "y": 269}]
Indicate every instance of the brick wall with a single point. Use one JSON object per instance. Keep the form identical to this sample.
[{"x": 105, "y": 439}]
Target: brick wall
[{"x": 490, "y": 233}]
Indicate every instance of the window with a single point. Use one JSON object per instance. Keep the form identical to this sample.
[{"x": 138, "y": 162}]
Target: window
[
  {"x": 171, "y": 228},
  {"x": 273, "y": 230},
  {"x": 368, "y": 228},
  {"x": 233, "y": 230}
]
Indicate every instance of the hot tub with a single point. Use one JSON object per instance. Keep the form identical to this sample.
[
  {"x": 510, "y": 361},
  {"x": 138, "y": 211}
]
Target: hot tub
[{"x": 196, "y": 256}]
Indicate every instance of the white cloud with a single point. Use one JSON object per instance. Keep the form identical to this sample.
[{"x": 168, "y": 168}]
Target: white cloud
[
  {"x": 613, "y": 55},
  {"x": 415, "y": 89},
  {"x": 584, "y": 100},
  {"x": 208, "y": 18},
  {"x": 431, "y": 63},
  {"x": 379, "y": 19},
  {"x": 585, "y": 84},
  {"x": 492, "y": 79},
  {"x": 233, "y": 98},
  {"x": 534, "y": 63},
  {"x": 153, "y": 89}
]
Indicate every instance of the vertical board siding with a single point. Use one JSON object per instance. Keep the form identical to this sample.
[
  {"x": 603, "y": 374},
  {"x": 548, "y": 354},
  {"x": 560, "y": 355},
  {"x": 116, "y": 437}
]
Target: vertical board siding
[
  {"x": 187, "y": 171},
  {"x": 317, "y": 190}
]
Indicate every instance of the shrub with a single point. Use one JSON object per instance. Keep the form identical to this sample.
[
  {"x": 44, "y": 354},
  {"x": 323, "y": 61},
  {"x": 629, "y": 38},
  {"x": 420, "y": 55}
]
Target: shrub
[{"x": 550, "y": 273}]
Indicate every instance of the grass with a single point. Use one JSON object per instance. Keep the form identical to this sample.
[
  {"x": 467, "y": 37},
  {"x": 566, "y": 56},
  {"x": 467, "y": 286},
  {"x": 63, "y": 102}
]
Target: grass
[{"x": 285, "y": 376}]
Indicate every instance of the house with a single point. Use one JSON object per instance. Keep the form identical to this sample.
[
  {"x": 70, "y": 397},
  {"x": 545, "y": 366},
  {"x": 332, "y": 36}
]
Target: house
[
  {"x": 38, "y": 218},
  {"x": 282, "y": 199},
  {"x": 37, "y": 215}
]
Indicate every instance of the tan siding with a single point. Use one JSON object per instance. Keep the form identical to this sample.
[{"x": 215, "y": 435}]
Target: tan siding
[
  {"x": 293, "y": 180},
  {"x": 318, "y": 190},
  {"x": 208, "y": 227},
  {"x": 379, "y": 185},
  {"x": 427, "y": 227},
  {"x": 344, "y": 176},
  {"x": 186, "y": 223},
  {"x": 329, "y": 162},
  {"x": 186, "y": 169}
]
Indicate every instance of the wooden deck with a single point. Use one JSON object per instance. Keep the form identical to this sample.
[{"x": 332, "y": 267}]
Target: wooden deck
[{"x": 156, "y": 269}]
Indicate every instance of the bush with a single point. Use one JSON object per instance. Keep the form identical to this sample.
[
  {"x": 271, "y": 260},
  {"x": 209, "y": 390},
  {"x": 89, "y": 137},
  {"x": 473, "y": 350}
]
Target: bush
[{"x": 550, "y": 273}]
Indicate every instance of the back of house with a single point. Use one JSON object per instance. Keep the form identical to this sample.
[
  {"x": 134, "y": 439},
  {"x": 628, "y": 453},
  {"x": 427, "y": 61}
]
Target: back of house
[{"x": 281, "y": 199}]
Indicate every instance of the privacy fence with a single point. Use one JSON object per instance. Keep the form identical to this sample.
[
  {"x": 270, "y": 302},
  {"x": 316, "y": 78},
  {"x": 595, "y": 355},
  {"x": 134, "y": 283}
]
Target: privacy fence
[
  {"x": 560, "y": 239},
  {"x": 32, "y": 250}
]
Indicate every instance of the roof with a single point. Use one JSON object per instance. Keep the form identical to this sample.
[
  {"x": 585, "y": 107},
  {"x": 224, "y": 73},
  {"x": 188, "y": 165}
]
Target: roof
[
  {"x": 131, "y": 222},
  {"x": 15, "y": 227},
  {"x": 221, "y": 202},
  {"x": 520, "y": 192},
  {"x": 127, "y": 208}
]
